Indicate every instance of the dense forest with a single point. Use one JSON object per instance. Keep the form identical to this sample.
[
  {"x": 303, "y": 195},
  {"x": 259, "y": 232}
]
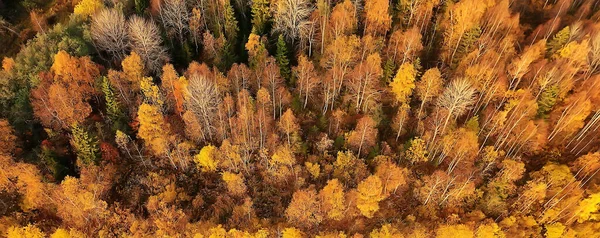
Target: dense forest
[{"x": 300, "y": 118}]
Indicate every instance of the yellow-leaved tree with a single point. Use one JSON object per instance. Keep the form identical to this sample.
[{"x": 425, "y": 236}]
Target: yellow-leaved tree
[
  {"x": 235, "y": 183},
  {"x": 88, "y": 7},
  {"x": 370, "y": 193},
  {"x": 404, "y": 82},
  {"x": 205, "y": 160},
  {"x": 153, "y": 129}
]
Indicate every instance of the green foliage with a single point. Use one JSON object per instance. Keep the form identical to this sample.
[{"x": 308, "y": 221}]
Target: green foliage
[
  {"x": 282, "y": 60},
  {"x": 140, "y": 6},
  {"x": 231, "y": 24},
  {"x": 389, "y": 69},
  {"x": 261, "y": 14},
  {"x": 547, "y": 100},
  {"x": 38, "y": 53},
  {"x": 558, "y": 41},
  {"x": 85, "y": 145},
  {"x": 473, "y": 124},
  {"x": 113, "y": 108},
  {"x": 466, "y": 45}
]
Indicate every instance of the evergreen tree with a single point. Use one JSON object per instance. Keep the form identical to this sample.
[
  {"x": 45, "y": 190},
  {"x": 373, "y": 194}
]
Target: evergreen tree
[
  {"x": 113, "y": 109},
  {"x": 140, "y": 6},
  {"x": 231, "y": 24},
  {"x": 466, "y": 45},
  {"x": 388, "y": 70},
  {"x": 260, "y": 16},
  {"x": 547, "y": 100},
  {"x": 558, "y": 41},
  {"x": 86, "y": 145},
  {"x": 282, "y": 60}
]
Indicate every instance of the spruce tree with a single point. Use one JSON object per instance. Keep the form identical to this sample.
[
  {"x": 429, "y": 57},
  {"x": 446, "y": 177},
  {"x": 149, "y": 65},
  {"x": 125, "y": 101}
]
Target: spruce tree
[
  {"x": 231, "y": 24},
  {"x": 260, "y": 16},
  {"x": 558, "y": 41},
  {"x": 85, "y": 144},
  {"x": 282, "y": 60},
  {"x": 113, "y": 108}
]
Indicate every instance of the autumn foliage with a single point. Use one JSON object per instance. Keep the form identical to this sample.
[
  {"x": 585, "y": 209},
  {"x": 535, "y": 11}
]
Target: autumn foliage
[{"x": 297, "y": 118}]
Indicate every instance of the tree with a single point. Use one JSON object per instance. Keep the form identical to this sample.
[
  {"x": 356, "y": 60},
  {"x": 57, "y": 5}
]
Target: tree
[
  {"x": 235, "y": 183},
  {"x": 206, "y": 160},
  {"x": 146, "y": 41},
  {"x": 364, "y": 83},
  {"x": 62, "y": 98},
  {"x": 417, "y": 152},
  {"x": 456, "y": 100},
  {"x": 447, "y": 231},
  {"x": 261, "y": 14},
  {"x": 393, "y": 178},
  {"x": 288, "y": 125},
  {"x": 29, "y": 231},
  {"x": 333, "y": 201},
  {"x": 133, "y": 68},
  {"x": 202, "y": 99},
  {"x": 304, "y": 209},
  {"x": 109, "y": 32},
  {"x": 79, "y": 205},
  {"x": 377, "y": 18},
  {"x": 405, "y": 46},
  {"x": 175, "y": 88},
  {"x": 231, "y": 24},
  {"x": 343, "y": 20},
  {"x": 88, "y": 7},
  {"x": 365, "y": 134},
  {"x": 370, "y": 193},
  {"x": 197, "y": 25},
  {"x": 86, "y": 145},
  {"x": 290, "y": 17},
  {"x": 153, "y": 129},
  {"x": 489, "y": 230},
  {"x": 7, "y": 138},
  {"x": 385, "y": 231},
  {"x": 306, "y": 79},
  {"x": 557, "y": 42},
  {"x": 292, "y": 233},
  {"x": 430, "y": 86},
  {"x": 338, "y": 59},
  {"x": 113, "y": 107},
  {"x": 282, "y": 60},
  {"x": 175, "y": 16},
  {"x": 404, "y": 82}
]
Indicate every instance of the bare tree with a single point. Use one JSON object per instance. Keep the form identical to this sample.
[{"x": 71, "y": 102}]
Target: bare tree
[
  {"x": 203, "y": 100},
  {"x": 175, "y": 16},
  {"x": 146, "y": 42},
  {"x": 291, "y": 17},
  {"x": 456, "y": 100},
  {"x": 109, "y": 33}
]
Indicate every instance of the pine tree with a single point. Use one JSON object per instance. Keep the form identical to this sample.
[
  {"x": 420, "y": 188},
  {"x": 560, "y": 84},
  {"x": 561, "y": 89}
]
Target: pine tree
[
  {"x": 558, "y": 41},
  {"x": 466, "y": 45},
  {"x": 282, "y": 60},
  {"x": 547, "y": 100},
  {"x": 388, "y": 70},
  {"x": 140, "y": 6},
  {"x": 85, "y": 144},
  {"x": 231, "y": 24},
  {"x": 113, "y": 108},
  {"x": 260, "y": 16}
]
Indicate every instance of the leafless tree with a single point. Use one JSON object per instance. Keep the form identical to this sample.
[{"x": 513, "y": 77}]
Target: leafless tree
[
  {"x": 291, "y": 17},
  {"x": 175, "y": 16},
  {"x": 146, "y": 42},
  {"x": 456, "y": 100},
  {"x": 109, "y": 33},
  {"x": 203, "y": 100}
]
